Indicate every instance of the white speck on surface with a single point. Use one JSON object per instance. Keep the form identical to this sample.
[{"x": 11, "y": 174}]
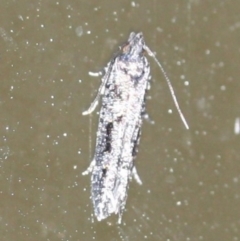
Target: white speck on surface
[
  {"x": 94, "y": 74},
  {"x": 55, "y": 142},
  {"x": 79, "y": 31},
  {"x": 179, "y": 203},
  {"x": 235, "y": 180},
  {"x": 217, "y": 44},
  {"x": 223, "y": 87},
  {"x": 207, "y": 51},
  {"x": 20, "y": 17},
  {"x": 237, "y": 126}
]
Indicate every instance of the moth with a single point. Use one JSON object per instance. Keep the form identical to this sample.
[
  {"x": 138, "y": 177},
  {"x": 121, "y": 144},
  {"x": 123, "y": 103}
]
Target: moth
[{"x": 123, "y": 90}]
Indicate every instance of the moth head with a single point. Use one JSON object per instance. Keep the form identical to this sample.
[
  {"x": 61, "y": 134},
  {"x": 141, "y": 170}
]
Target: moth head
[{"x": 135, "y": 45}]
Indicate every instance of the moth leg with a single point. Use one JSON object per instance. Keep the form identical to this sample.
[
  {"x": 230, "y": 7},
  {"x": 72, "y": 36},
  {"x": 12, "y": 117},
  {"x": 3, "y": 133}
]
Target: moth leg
[
  {"x": 100, "y": 92},
  {"x": 96, "y": 100},
  {"x": 90, "y": 168},
  {"x": 136, "y": 139},
  {"x": 119, "y": 218},
  {"x": 136, "y": 176},
  {"x": 95, "y": 74}
]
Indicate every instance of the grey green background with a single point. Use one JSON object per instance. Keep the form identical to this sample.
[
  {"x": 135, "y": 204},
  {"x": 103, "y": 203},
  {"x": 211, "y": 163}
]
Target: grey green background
[{"x": 191, "y": 179}]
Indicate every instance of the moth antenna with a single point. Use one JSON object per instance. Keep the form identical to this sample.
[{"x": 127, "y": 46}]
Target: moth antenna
[{"x": 150, "y": 53}]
